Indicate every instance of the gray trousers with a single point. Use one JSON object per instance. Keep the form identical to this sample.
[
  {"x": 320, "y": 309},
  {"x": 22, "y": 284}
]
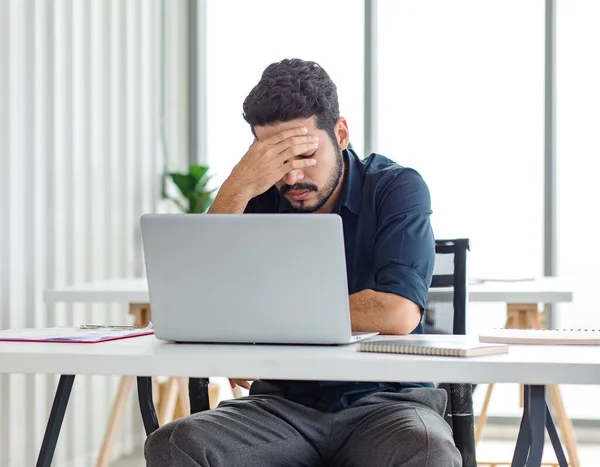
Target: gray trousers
[{"x": 382, "y": 429}]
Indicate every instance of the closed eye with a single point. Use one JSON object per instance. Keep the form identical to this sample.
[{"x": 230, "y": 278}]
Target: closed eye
[{"x": 308, "y": 156}]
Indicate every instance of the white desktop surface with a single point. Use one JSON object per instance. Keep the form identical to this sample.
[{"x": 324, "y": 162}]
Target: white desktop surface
[
  {"x": 135, "y": 290},
  {"x": 147, "y": 356}
]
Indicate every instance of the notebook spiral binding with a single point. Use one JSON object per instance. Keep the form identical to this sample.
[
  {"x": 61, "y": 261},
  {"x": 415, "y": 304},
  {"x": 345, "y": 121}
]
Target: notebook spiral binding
[{"x": 387, "y": 348}]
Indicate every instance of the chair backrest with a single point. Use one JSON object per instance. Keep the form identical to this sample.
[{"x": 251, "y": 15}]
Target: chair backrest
[{"x": 447, "y": 312}]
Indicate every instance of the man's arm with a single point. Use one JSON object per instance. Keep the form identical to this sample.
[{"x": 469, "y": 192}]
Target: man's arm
[
  {"x": 403, "y": 257},
  {"x": 229, "y": 200},
  {"x": 383, "y": 312}
]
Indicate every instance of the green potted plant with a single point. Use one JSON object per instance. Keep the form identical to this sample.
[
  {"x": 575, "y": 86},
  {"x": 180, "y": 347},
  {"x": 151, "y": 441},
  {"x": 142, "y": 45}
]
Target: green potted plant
[{"x": 193, "y": 189}]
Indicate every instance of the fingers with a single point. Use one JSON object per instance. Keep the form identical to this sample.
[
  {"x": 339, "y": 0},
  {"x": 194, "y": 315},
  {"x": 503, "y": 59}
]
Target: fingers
[
  {"x": 297, "y": 164},
  {"x": 294, "y": 141},
  {"x": 291, "y": 147},
  {"x": 293, "y": 151},
  {"x": 298, "y": 131}
]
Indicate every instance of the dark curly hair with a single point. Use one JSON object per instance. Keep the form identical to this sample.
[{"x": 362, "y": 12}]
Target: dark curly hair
[{"x": 290, "y": 89}]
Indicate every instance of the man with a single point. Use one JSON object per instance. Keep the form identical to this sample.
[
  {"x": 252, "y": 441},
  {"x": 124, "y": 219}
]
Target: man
[{"x": 300, "y": 162}]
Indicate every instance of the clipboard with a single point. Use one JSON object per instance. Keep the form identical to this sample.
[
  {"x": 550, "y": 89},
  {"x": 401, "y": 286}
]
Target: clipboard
[{"x": 70, "y": 334}]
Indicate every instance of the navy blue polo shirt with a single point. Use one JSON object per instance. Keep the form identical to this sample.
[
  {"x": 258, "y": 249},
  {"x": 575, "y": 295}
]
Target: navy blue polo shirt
[{"x": 385, "y": 210}]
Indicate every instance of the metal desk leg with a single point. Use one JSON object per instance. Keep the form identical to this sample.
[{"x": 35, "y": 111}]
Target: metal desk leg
[
  {"x": 537, "y": 419},
  {"x": 144, "y": 384},
  {"x": 524, "y": 438},
  {"x": 57, "y": 414}
]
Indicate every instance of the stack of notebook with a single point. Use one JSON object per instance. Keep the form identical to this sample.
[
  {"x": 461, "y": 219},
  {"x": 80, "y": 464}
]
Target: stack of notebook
[{"x": 543, "y": 336}]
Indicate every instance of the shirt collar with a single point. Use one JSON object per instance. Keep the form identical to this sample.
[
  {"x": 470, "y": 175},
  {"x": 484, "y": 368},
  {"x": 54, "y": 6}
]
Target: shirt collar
[{"x": 352, "y": 190}]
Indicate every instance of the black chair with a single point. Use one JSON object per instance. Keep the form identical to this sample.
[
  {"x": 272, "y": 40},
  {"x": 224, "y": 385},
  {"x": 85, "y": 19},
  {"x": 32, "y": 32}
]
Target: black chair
[
  {"x": 450, "y": 273},
  {"x": 446, "y": 313}
]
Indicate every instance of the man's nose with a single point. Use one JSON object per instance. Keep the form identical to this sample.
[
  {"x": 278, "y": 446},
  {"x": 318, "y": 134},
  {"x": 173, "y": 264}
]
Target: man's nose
[{"x": 293, "y": 177}]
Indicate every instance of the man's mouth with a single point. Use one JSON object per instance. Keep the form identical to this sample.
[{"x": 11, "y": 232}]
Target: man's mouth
[{"x": 298, "y": 195}]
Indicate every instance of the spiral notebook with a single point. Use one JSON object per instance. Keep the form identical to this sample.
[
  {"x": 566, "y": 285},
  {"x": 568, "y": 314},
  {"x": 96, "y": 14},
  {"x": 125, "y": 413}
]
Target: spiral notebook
[
  {"x": 434, "y": 346},
  {"x": 542, "y": 336}
]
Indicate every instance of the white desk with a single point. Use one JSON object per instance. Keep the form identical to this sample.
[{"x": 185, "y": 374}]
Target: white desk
[
  {"x": 146, "y": 356},
  {"x": 520, "y": 297},
  {"x": 541, "y": 290}
]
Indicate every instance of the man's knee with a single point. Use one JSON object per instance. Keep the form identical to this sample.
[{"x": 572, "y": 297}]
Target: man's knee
[
  {"x": 426, "y": 442},
  {"x": 184, "y": 439},
  {"x": 433, "y": 442},
  {"x": 156, "y": 448},
  {"x": 442, "y": 450}
]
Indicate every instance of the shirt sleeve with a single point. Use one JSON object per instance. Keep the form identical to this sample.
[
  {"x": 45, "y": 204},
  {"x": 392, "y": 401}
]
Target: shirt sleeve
[{"x": 404, "y": 251}]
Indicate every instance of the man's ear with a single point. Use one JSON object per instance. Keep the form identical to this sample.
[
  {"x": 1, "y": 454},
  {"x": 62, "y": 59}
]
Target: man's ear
[{"x": 342, "y": 134}]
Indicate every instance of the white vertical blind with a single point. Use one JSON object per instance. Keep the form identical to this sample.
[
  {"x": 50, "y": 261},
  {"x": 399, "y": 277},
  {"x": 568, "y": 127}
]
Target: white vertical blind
[
  {"x": 43, "y": 195},
  {"x": 79, "y": 163},
  {"x": 4, "y": 192}
]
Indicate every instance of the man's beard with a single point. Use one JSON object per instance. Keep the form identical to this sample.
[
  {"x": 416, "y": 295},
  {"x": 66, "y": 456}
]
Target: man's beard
[{"x": 332, "y": 184}]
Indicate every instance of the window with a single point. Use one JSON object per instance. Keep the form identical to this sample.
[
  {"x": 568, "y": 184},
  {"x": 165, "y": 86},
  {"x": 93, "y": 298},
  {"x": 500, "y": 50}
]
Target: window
[
  {"x": 578, "y": 156},
  {"x": 578, "y": 165},
  {"x": 461, "y": 88}
]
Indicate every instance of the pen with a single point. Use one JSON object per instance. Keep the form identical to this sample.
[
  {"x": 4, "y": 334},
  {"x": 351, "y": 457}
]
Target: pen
[{"x": 102, "y": 326}]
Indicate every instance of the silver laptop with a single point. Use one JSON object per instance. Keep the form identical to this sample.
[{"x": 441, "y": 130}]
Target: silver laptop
[{"x": 248, "y": 278}]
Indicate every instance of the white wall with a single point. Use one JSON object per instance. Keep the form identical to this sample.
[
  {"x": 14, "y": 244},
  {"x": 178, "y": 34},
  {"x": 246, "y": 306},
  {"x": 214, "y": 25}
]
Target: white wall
[{"x": 79, "y": 163}]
